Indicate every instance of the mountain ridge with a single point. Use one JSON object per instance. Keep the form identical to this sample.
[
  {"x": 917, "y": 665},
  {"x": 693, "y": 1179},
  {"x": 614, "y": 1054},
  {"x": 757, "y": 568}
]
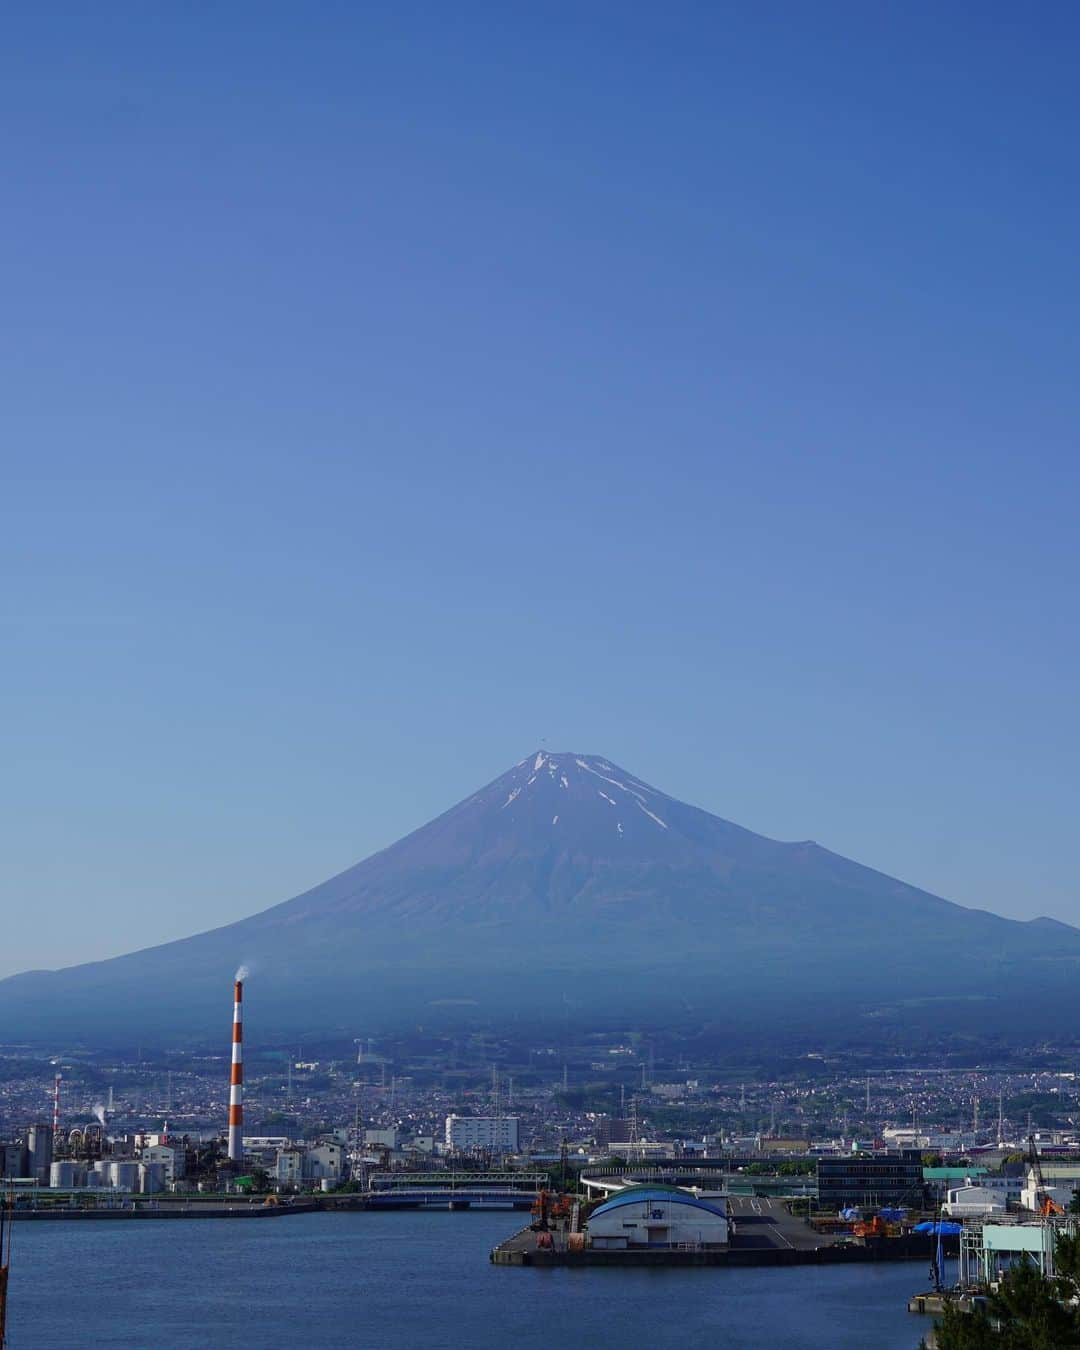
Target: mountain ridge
[{"x": 566, "y": 868}]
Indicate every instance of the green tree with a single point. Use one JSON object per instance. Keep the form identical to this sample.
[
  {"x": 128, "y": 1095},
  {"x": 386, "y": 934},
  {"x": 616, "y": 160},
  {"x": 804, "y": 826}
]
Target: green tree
[{"x": 1027, "y": 1312}]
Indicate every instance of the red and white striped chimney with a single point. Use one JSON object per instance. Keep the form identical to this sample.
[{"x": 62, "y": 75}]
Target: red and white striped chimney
[{"x": 236, "y": 1078}]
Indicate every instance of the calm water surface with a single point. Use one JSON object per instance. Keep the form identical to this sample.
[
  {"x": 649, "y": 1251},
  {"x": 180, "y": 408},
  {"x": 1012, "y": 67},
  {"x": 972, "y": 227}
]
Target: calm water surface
[{"x": 404, "y": 1280}]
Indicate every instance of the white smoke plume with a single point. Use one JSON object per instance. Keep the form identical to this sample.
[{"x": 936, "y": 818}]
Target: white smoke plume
[
  {"x": 242, "y": 972},
  {"x": 99, "y": 1112}
]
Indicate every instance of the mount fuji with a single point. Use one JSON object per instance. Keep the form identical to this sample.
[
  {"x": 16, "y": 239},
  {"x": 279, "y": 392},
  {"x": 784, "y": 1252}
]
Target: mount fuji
[{"x": 570, "y": 884}]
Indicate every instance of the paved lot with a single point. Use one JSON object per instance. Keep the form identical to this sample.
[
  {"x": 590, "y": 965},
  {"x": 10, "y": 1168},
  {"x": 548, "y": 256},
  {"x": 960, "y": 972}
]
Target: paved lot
[{"x": 761, "y": 1222}]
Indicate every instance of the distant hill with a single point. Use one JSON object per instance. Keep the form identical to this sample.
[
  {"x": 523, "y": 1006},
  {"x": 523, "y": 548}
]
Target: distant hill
[{"x": 570, "y": 888}]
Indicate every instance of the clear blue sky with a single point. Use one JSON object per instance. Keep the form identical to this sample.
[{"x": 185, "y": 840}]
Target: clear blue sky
[{"x": 387, "y": 388}]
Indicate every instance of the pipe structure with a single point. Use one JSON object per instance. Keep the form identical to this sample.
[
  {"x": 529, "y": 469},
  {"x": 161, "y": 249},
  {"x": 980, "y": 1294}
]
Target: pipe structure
[{"x": 236, "y": 1078}]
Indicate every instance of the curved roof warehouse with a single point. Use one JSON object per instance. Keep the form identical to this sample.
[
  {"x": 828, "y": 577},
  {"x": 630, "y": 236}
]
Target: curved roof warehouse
[{"x": 658, "y": 1216}]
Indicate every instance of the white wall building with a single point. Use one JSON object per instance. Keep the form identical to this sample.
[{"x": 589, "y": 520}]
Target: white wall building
[
  {"x": 171, "y": 1159},
  {"x": 653, "y": 1216},
  {"x": 289, "y": 1167},
  {"x": 325, "y": 1162},
  {"x": 493, "y": 1134},
  {"x": 973, "y": 1202},
  {"x": 381, "y": 1138}
]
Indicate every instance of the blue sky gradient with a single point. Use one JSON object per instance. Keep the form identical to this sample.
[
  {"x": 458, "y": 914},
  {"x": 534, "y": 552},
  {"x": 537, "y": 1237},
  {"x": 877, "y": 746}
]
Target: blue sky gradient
[{"x": 388, "y": 389}]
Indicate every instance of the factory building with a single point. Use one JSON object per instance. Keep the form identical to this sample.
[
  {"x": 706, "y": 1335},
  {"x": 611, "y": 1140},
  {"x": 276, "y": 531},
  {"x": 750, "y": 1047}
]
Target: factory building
[
  {"x": 658, "y": 1216},
  {"x": 325, "y": 1162},
  {"x": 475, "y": 1134},
  {"x": 1062, "y": 1181},
  {"x": 289, "y": 1167},
  {"x": 973, "y": 1202},
  {"x": 870, "y": 1179},
  {"x": 170, "y": 1159},
  {"x": 14, "y": 1161},
  {"x": 39, "y": 1143},
  {"x": 387, "y": 1139}
]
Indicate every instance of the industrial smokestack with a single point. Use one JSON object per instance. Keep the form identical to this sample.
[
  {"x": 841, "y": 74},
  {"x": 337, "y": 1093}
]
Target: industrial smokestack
[
  {"x": 236, "y": 1078},
  {"x": 56, "y": 1107}
]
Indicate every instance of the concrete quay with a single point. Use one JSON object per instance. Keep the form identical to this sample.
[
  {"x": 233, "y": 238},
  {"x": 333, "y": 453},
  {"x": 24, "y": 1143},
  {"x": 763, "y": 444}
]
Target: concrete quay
[{"x": 765, "y": 1233}]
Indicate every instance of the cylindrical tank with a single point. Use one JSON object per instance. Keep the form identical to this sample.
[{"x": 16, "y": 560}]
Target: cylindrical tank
[
  {"x": 100, "y": 1170},
  {"x": 151, "y": 1178},
  {"x": 65, "y": 1175},
  {"x": 124, "y": 1175}
]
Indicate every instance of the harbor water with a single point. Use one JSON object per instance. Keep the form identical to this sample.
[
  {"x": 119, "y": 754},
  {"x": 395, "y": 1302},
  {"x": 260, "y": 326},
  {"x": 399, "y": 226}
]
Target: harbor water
[{"x": 398, "y": 1281}]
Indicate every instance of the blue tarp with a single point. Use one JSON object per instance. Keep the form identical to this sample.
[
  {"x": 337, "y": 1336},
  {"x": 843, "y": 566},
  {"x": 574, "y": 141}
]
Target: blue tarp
[
  {"x": 945, "y": 1228},
  {"x": 892, "y": 1215}
]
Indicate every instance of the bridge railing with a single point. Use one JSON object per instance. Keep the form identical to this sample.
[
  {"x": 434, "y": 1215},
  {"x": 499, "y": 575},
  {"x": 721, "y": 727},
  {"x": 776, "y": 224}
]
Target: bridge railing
[{"x": 451, "y": 1181}]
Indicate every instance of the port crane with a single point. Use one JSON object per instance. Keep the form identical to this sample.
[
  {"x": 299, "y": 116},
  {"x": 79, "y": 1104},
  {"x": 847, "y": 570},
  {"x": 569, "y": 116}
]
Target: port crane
[{"x": 1044, "y": 1203}]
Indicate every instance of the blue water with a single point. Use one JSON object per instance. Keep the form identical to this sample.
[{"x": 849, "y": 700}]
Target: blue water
[{"x": 400, "y": 1281}]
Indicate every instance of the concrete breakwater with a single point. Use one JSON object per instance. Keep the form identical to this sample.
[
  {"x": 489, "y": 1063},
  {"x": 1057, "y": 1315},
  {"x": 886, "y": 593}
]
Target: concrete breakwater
[
  {"x": 95, "y": 1213},
  {"x": 524, "y": 1252},
  {"x": 764, "y": 1233}
]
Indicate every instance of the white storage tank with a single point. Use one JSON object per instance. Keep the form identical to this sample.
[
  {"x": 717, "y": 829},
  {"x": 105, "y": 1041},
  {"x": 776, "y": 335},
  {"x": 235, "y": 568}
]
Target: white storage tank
[
  {"x": 64, "y": 1176},
  {"x": 124, "y": 1175},
  {"x": 151, "y": 1178}
]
